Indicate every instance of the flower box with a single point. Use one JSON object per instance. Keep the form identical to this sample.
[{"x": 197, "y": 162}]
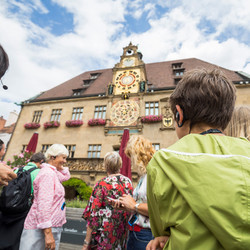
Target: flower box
[
  {"x": 151, "y": 118},
  {"x": 31, "y": 125},
  {"x": 53, "y": 124},
  {"x": 74, "y": 123},
  {"x": 96, "y": 122}
]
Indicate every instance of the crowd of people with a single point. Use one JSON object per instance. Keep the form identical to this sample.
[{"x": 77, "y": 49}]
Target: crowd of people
[{"x": 192, "y": 195}]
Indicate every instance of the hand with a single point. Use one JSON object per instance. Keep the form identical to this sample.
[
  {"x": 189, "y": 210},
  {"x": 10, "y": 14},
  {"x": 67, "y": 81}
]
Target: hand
[
  {"x": 157, "y": 243},
  {"x": 127, "y": 202},
  {"x": 85, "y": 247},
  {"x": 49, "y": 239},
  {"x": 6, "y": 174}
]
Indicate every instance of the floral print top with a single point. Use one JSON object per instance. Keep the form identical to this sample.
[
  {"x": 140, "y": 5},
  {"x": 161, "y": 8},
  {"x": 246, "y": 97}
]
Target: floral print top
[{"x": 109, "y": 225}]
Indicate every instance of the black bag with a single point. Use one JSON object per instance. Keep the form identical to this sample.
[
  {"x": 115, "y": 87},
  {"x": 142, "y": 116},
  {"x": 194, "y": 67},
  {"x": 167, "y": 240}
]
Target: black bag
[{"x": 17, "y": 197}]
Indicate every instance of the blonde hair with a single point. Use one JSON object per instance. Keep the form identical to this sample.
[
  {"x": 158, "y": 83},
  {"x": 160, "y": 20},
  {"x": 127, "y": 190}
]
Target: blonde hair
[
  {"x": 239, "y": 126},
  {"x": 112, "y": 162},
  {"x": 140, "y": 151}
]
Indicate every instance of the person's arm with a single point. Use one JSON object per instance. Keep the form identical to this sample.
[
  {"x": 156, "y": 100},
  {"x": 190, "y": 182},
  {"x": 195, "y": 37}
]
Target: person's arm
[
  {"x": 6, "y": 174},
  {"x": 49, "y": 239},
  {"x": 87, "y": 240},
  {"x": 128, "y": 203},
  {"x": 63, "y": 174}
]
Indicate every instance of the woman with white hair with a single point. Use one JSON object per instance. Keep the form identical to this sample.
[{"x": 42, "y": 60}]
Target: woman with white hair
[{"x": 43, "y": 224}]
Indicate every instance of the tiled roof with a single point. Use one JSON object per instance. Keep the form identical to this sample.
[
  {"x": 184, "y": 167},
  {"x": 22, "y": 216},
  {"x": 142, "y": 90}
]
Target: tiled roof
[{"x": 159, "y": 75}]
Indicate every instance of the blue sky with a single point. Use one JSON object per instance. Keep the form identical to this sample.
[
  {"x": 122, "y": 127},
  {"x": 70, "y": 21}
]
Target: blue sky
[{"x": 51, "y": 41}]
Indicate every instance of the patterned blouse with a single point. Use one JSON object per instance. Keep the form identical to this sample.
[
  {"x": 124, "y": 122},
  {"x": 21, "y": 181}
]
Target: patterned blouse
[
  {"x": 49, "y": 194},
  {"x": 109, "y": 225}
]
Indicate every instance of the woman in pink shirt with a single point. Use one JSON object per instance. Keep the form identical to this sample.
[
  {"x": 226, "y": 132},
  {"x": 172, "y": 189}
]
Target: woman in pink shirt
[{"x": 43, "y": 224}]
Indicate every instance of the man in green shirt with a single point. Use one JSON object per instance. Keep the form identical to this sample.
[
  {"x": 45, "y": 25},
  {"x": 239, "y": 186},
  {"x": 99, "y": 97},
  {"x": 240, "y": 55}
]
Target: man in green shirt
[
  {"x": 198, "y": 189},
  {"x": 35, "y": 161}
]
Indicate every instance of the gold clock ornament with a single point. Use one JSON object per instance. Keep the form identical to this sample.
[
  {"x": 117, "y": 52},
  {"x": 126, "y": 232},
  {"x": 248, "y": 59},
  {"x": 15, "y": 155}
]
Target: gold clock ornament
[
  {"x": 127, "y": 81},
  {"x": 124, "y": 113}
]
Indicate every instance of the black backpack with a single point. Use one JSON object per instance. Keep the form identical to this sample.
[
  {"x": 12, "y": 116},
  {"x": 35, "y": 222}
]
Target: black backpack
[{"x": 17, "y": 197}]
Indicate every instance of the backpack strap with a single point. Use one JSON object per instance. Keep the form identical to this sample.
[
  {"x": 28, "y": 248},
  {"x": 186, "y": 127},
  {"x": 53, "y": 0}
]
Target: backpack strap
[
  {"x": 31, "y": 169},
  {"x": 21, "y": 169}
]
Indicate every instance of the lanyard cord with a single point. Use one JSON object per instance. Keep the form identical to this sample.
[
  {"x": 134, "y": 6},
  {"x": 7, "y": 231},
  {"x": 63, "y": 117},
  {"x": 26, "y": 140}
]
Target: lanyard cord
[{"x": 211, "y": 131}]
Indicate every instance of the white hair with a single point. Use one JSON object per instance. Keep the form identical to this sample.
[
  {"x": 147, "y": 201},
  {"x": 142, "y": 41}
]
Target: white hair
[
  {"x": 112, "y": 162},
  {"x": 55, "y": 150}
]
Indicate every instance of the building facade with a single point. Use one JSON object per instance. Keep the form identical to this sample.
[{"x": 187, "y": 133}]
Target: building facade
[
  {"x": 7, "y": 127},
  {"x": 89, "y": 112}
]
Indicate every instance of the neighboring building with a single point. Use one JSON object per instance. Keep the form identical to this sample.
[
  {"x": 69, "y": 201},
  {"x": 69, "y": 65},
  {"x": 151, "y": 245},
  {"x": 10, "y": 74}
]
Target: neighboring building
[
  {"x": 126, "y": 96},
  {"x": 7, "y": 127}
]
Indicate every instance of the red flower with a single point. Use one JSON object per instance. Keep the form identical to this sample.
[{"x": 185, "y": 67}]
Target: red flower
[
  {"x": 52, "y": 124},
  {"x": 96, "y": 122},
  {"x": 31, "y": 125},
  {"x": 74, "y": 123},
  {"x": 151, "y": 118}
]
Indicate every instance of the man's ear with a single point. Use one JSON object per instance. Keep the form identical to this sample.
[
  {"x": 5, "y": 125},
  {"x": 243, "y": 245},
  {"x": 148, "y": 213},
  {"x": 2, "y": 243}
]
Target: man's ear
[{"x": 179, "y": 117}]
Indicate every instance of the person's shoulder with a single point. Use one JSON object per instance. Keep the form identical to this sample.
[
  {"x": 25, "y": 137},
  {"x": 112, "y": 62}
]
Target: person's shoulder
[
  {"x": 123, "y": 178},
  {"x": 32, "y": 165},
  {"x": 47, "y": 169}
]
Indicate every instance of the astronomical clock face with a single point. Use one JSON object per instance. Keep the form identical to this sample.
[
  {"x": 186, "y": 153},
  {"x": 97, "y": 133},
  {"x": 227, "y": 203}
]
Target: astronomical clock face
[
  {"x": 124, "y": 113},
  {"x": 128, "y": 62},
  {"x": 127, "y": 81}
]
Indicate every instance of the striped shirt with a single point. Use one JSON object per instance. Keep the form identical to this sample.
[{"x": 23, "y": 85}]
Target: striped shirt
[{"x": 46, "y": 211}]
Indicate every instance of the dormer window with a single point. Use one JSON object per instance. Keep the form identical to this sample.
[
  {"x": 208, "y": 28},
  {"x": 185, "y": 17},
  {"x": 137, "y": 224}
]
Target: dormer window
[
  {"x": 176, "y": 81},
  {"x": 179, "y": 72},
  {"x": 77, "y": 92},
  {"x": 87, "y": 82},
  {"x": 94, "y": 75},
  {"x": 177, "y": 65}
]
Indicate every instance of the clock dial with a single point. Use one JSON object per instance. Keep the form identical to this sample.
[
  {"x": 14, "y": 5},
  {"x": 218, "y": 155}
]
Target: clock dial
[
  {"x": 127, "y": 78},
  {"x": 127, "y": 62},
  {"x": 124, "y": 113}
]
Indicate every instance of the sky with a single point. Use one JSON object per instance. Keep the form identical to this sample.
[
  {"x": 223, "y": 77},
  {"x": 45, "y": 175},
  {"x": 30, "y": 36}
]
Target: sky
[{"x": 52, "y": 41}]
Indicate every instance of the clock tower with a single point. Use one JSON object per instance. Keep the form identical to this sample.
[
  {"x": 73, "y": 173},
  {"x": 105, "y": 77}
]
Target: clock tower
[
  {"x": 128, "y": 83},
  {"x": 129, "y": 75}
]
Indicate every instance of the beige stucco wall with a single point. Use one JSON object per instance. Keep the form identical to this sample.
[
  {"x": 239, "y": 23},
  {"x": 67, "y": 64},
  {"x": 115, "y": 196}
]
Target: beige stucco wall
[
  {"x": 84, "y": 135},
  {"x": 243, "y": 95}
]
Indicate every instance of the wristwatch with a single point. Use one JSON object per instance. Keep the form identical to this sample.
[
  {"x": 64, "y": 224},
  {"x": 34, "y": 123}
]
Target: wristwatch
[
  {"x": 86, "y": 243},
  {"x": 136, "y": 207}
]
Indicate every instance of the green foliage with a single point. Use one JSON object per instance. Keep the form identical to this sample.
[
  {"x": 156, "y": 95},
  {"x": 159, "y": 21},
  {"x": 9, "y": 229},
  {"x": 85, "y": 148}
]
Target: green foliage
[
  {"x": 80, "y": 186},
  {"x": 20, "y": 160},
  {"x": 76, "y": 203}
]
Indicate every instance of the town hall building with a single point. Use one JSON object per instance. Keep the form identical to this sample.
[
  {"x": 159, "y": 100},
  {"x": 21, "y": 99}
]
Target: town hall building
[{"x": 89, "y": 112}]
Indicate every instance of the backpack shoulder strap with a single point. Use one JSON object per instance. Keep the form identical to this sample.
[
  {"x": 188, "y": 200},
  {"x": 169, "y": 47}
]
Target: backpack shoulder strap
[{"x": 31, "y": 169}]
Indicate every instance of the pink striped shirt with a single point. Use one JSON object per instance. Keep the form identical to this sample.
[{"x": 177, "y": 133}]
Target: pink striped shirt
[{"x": 46, "y": 211}]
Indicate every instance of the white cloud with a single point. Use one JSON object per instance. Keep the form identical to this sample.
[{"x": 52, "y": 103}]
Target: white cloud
[{"x": 40, "y": 60}]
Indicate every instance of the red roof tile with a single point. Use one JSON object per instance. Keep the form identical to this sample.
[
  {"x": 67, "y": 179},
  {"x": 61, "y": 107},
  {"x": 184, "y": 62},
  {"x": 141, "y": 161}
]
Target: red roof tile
[{"x": 159, "y": 74}]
